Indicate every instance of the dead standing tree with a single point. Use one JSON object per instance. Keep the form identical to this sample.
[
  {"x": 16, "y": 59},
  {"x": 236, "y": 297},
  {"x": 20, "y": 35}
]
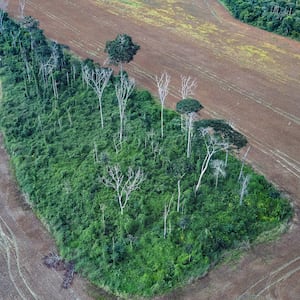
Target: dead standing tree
[
  {"x": 162, "y": 84},
  {"x": 244, "y": 186},
  {"x": 188, "y": 85},
  {"x": 123, "y": 87},
  {"x": 243, "y": 163},
  {"x": 189, "y": 108},
  {"x": 47, "y": 69},
  {"x": 167, "y": 208},
  {"x": 22, "y": 4},
  {"x": 219, "y": 169},
  {"x": 97, "y": 79},
  {"x": 121, "y": 185},
  {"x": 212, "y": 145}
]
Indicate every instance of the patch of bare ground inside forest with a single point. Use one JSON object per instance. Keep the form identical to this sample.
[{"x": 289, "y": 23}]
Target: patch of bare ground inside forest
[{"x": 245, "y": 75}]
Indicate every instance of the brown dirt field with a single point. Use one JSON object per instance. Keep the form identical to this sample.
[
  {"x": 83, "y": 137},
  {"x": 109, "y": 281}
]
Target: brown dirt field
[{"x": 245, "y": 75}]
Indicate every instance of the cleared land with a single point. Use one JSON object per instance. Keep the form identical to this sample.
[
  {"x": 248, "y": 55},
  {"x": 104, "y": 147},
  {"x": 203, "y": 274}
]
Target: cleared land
[{"x": 245, "y": 75}]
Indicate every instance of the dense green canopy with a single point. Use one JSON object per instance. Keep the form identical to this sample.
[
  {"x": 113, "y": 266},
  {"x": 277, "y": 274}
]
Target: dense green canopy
[
  {"x": 280, "y": 16},
  {"x": 186, "y": 106},
  {"x": 121, "y": 49}
]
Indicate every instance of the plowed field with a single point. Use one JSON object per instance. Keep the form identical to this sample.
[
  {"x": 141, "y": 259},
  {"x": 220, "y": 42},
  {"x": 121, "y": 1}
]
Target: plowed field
[{"x": 245, "y": 75}]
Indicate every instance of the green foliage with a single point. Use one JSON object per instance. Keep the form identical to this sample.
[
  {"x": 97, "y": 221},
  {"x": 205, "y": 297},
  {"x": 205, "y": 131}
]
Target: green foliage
[
  {"x": 235, "y": 138},
  {"x": 280, "y": 16},
  {"x": 121, "y": 49},
  {"x": 60, "y": 152},
  {"x": 186, "y": 106}
]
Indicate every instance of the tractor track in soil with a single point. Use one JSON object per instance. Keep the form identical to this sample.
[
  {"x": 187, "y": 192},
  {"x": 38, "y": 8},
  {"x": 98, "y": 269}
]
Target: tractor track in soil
[
  {"x": 9, "y": 244},
  {"x": 258, "y": 95}
]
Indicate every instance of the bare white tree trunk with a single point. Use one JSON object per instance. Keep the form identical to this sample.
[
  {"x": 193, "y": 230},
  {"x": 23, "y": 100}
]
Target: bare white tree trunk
[
  {"x": 54, "y": 86},
  {"x": 124, "y": 87},
  {"x": 121, "y": 185},
  {"x": 244, "y": 186},
  {"x": 191, "y": 117},
  {"x": 165, "y": 217},
  {"x": 97, "y": 79},
  {"x": 243, "y": 163},
  {"x": 27, "y": 65},
  {"x": 162, "y": 84},
  {"x": 74, "y": 72},
  {"x": 212, "y": 146},
  {"x": 22, "y": 4},
  {"x": 15, "y": 36},
  {"x": 226, "y": 157},
  {"x": 179, "y": 192},
  {"x": 219, "y": 169},
  {"x": 188, "y": 85}
]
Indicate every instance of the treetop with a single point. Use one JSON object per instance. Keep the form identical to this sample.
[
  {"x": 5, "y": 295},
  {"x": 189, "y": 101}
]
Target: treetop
[
  {"x": 188, "y": 105},
  {"x": 121, "y": 49}
]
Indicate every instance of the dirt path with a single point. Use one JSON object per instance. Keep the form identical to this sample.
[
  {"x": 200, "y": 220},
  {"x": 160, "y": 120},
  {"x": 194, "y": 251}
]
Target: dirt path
[{"x": 247, "y": 76}]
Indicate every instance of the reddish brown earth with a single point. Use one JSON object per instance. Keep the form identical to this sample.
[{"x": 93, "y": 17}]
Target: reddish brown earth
[{"x": 245, "y": 75}]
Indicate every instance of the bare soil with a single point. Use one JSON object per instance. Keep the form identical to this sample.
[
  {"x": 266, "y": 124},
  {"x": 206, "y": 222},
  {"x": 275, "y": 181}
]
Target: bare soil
[{"x": 245, "y": 75}]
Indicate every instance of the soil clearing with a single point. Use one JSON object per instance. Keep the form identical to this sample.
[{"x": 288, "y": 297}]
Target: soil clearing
[{"x": 245, "y": 75}]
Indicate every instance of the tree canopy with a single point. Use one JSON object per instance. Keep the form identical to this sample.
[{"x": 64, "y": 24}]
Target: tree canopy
[
  {"x": 280, "y": 16},
  {"x": 189, "y": 105},
  {"x": 121, "y": 49}
]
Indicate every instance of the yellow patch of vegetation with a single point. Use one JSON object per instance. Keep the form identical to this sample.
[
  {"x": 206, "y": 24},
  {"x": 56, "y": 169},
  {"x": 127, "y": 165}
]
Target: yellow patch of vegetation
[
  {"x": 296, "y": 56},
  {"x": 208, "y": 28},
  {"x": 274, "y": 48},
  {"x": 255, "y": 53},
  {"x": 163, "y": 13}
]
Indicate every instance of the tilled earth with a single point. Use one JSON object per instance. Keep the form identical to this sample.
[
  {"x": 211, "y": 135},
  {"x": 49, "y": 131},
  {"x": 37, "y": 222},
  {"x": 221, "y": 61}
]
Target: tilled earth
[{"x": 245, "y": 75}]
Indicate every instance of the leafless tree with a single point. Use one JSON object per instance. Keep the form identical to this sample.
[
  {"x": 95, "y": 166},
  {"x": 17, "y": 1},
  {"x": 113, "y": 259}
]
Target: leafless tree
[
  {"x": 179, "y": 192},
  {"x": 165, "y": 216},
  {"x": 188, "y": 85},
  {"x": 190, "y": 120},
  {"x": 212, "y": 145},
  {"x": 244, "y": 186},
  {"x": 162, "y": 84},
  {"x": 47, "y": 68},
  {"x": 22, "y": 4},
  {"x": 3, "y": 8},
  {"x": 226, "y": 157},
  {"x": 14, "y": 36},
  {"x": 243, "y": 163},
  {"x": 122, "y": 185},
  {"x": 153, "y": 143},
  {"x": 27, "y": 64},
  {"x": 97, "y": 79},
  {"x": 124, "y": 87},
  {"x": 219, "y": 169}
]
